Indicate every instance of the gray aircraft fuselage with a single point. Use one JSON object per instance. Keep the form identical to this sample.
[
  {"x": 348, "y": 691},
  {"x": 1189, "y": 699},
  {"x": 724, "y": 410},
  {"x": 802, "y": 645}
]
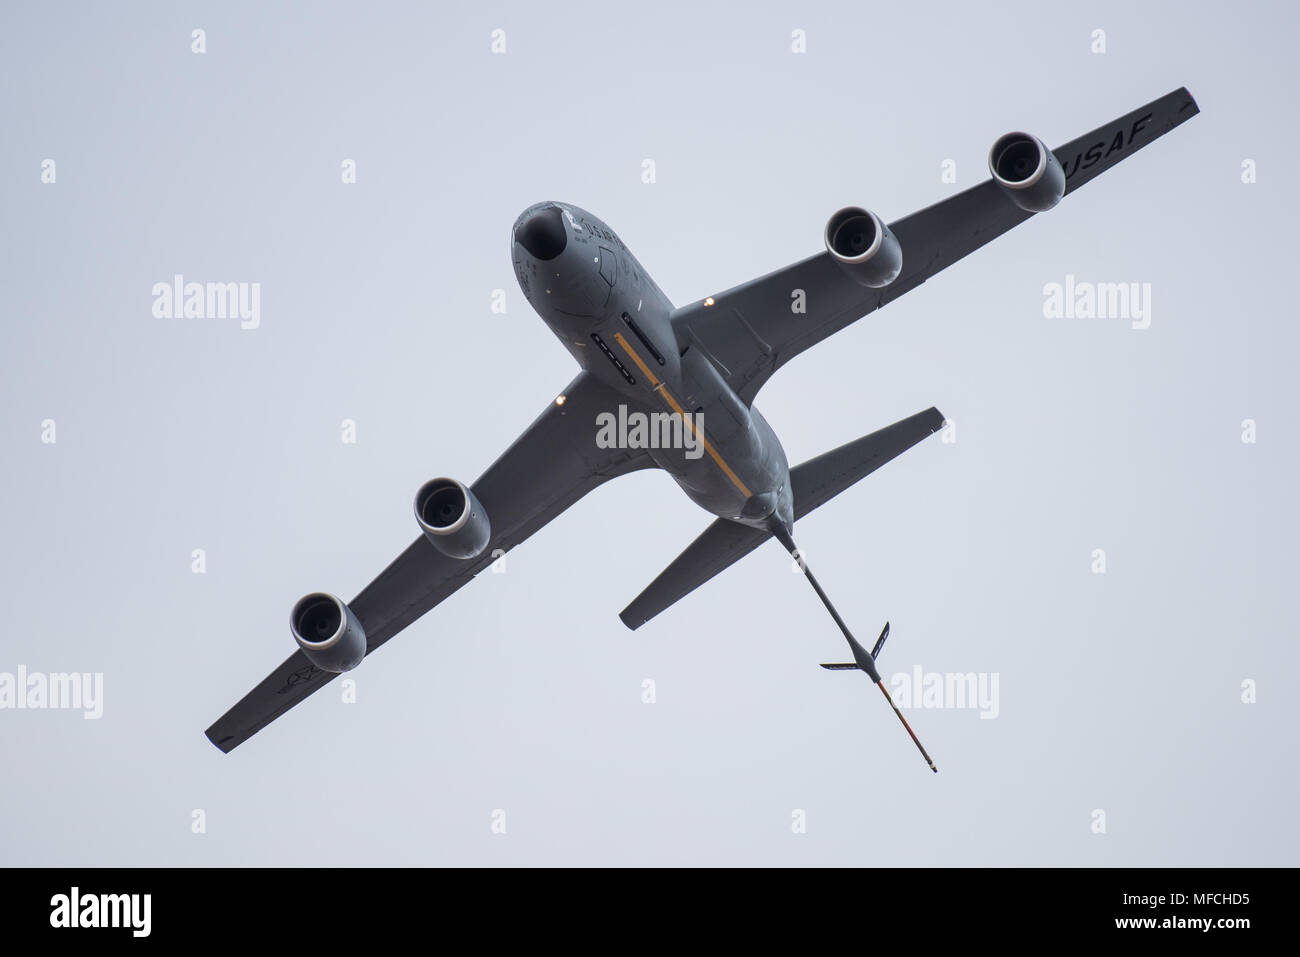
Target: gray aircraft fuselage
[{"x": 617, "y": 323}]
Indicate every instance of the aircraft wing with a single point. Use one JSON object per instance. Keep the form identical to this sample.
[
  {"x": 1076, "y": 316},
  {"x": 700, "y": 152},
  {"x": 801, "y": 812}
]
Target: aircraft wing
[
  {"x": 750, "y": 331},
  {"x": 548, "y": 468}
]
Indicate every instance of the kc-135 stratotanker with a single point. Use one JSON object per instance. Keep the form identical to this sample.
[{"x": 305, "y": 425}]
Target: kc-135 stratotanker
[{"x": 703, "y": 364}]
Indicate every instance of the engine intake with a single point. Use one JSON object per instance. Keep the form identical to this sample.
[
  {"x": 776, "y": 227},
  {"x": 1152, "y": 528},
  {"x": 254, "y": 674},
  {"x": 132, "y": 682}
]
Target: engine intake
[
  {"x": 1027, "y": 171},
  {"x": 864, "y": 247},
  {"x": 452, "y": 518},
  {"x": 328, "y": 632}
]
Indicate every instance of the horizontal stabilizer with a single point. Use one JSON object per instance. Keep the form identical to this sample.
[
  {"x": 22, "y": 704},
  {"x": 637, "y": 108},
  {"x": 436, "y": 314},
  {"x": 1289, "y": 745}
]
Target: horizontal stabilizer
[
  {"x": 850, "y": 666},
  {"x": 814, "y": 483}
]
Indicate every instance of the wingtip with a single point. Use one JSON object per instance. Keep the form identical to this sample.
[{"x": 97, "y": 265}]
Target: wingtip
[{"x": 224, "y": 744}]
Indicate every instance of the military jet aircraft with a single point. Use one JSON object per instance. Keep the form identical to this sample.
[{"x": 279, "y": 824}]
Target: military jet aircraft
[{"x": 702, "y": 364}]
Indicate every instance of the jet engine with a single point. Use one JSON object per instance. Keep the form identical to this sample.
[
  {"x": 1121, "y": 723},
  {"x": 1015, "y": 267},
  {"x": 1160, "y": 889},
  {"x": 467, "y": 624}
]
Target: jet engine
[
  {"x": 328, "y": 632},
  {"x": 452, "y": 518},
  {"x": 864, "y": 247},
  {"x": 1027, "y": 171}
]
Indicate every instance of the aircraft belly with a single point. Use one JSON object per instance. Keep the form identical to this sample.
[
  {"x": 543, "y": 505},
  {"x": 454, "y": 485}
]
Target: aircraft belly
[
  {"x": 743, "y": 476},
  {"x": 720, "y": 451}
]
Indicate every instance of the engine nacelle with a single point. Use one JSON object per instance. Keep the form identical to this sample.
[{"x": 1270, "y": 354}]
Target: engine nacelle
[
  {"x": 452, "y": 518},
  {"x": 1027, "y": 171},
  {"x": 327, "y": 632},
  {"x": 864, "y": 247}
]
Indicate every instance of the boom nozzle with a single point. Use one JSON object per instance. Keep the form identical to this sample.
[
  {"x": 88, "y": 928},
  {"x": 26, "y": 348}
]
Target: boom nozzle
[{"x": 915, "y": 739}]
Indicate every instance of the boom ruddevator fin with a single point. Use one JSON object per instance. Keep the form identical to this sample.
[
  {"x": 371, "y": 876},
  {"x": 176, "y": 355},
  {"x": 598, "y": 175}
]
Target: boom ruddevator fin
[{"x": 853, "y": 665}]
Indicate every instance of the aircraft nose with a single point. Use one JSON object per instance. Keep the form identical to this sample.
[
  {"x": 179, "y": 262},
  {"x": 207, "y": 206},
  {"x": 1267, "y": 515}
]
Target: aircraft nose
[{"x": 541, "y": 232}]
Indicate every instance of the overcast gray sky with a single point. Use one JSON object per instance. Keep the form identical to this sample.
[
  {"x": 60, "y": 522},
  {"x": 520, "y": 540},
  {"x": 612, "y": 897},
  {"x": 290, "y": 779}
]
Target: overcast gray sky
[{"x": 1118, "y": 692}]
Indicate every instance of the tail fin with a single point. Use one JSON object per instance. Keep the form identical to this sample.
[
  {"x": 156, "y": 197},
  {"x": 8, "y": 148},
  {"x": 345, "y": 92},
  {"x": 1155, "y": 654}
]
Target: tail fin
[{"x": 814, "y": 483}]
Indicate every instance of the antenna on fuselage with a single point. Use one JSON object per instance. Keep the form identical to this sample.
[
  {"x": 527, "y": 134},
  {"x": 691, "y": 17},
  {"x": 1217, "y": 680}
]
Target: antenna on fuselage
[{"x": 863, "y": 660}]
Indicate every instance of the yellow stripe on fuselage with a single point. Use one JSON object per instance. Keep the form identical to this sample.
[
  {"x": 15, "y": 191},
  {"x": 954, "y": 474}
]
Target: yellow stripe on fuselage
[{"x": 662, "y": 389}]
